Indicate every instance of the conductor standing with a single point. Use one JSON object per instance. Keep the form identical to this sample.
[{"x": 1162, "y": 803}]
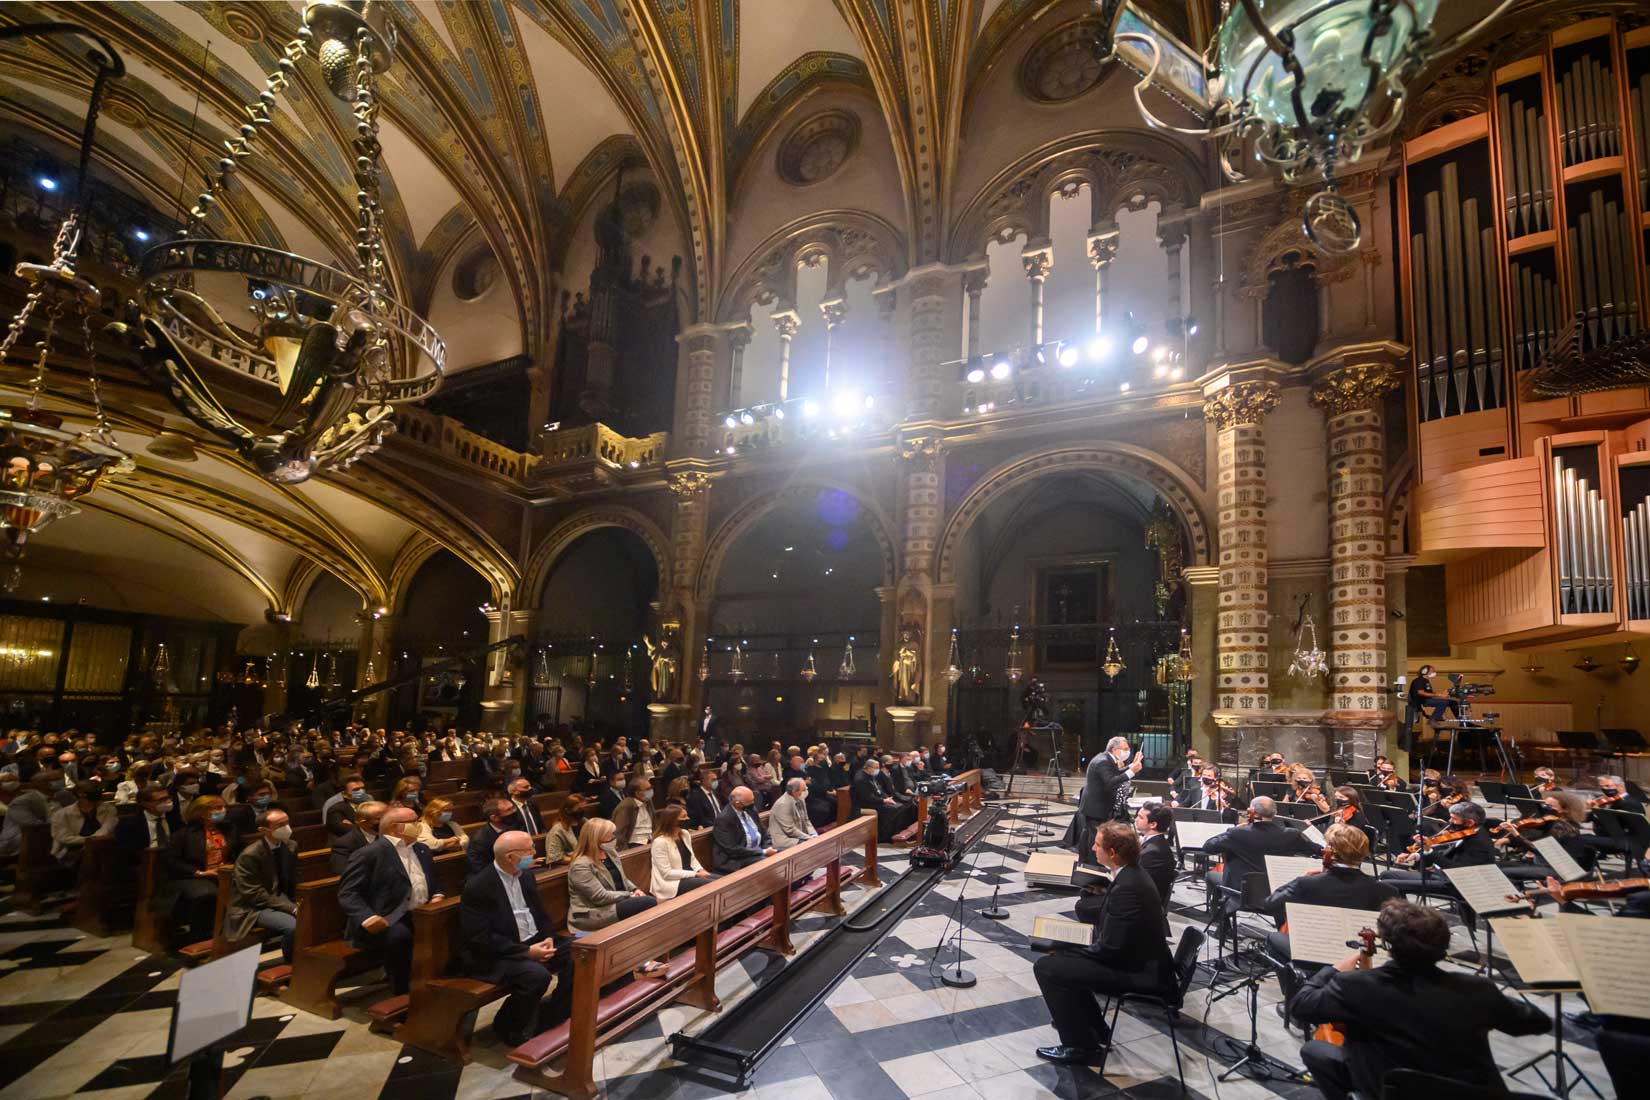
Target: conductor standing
[{"x": 1106, "y": 788}]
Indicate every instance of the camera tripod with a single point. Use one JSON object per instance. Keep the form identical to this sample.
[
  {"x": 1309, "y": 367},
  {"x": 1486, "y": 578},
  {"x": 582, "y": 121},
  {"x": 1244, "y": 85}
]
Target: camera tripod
[{"x": 1022, "y": 740}]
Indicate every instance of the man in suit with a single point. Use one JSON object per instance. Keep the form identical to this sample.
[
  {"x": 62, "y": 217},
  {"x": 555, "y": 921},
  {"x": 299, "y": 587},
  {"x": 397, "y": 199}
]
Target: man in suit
[
  {"x": 339, "y": 810},
  {"x": 1408, "y": 1013},
  {"x": 1128, "y": 954},
  {"x": 384, "y": 882},
  {"x": 788, "y": 821},
  {"x": 486, "y": 768},
  {"x": 500, "y": 813},
  {"x": 1473, "y": 850},
  {"x": 702, "y": 804},
  {"x": 870, "y": 793},
  {"x": 265, "y": 882},
  {"x": 710, "y": 736},
  {"x": 1106, "y": 787},
  {"x": 1343, "y": 885},
  {"x": 152, "y": 826},
  {"x": 736, "y": 839},
  {"x": 1246, "y": 847},
  {"x": 902, "y": 776},
  {"x": 361, "y": 834},
  {"x": 610, "y": 795},
  {"x": 508, "y": 941},
  {"x": 1154, "y": 820},
  {"x": 525, "y": 816}
]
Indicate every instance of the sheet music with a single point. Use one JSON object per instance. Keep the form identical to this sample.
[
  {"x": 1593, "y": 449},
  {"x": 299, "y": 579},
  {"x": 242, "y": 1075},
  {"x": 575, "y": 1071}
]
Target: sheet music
[
  {"x": 1312, "y": 833},
  {"x": 1050, "y": 865},
  {"x": 1613, "y": 957},
  {"x": 1060, "y": 930},
  {"x": 1282, "y": 869},
  {"x": 1562, "y": 863},
  {"x": 1195, "y": 834},
  {"x": 1538, "y": 949},
  {"x": 1485, "y": 888},
  {"x": 1319, "y": 933}
]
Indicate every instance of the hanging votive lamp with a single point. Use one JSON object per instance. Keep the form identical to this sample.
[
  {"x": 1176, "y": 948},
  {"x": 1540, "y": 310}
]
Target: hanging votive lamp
[
  {"x": 1016, "y": 659},
  {"x": 846, "y": 670},
  {"x": 1113, "y": 665},
  {"x": 953, "y": 661}
]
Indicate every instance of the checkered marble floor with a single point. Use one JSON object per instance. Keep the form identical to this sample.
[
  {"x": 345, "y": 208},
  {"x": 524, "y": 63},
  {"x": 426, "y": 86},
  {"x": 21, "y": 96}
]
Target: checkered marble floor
[{"x": 88, "y": 1018}]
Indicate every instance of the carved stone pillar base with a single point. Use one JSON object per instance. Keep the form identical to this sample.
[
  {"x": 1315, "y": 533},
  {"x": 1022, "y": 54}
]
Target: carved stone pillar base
[
  {"x": 668, "y": 721},
  {"x": 910, "y": 725},
  {"x": 1318, "y": 739}
]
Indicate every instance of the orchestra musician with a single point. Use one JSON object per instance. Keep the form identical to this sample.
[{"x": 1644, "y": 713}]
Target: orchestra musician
[
  {"x": 1407, "y": 1013},
  {"x": 1184, "y": 779},
  {"x": 1342, "y": 884},
  {"x": 1303, "y": 787},
  {"x": 1349, "y": 810},
  {"x": 1211, "y": 794},
  {"x": 1385, "y": 775},
  {"x": 1612, "y": 795},
  {"x": 1545, "y": 781},
  {"x": 1374, "y": 773},
  {"x": 1272, "y": 767},
  {"x": 1450, "y": 790},
  {"x": 1464, "y": 843},
  {"x": 1246, "y": 847},
  {"x": 1562, "y": 815}
]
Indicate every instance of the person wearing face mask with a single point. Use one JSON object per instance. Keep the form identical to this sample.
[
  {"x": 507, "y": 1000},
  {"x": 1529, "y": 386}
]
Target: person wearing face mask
[
  {"x": 152, "y": 826},
  {"x": 610, "y": 795},
  {"x": 871, "y": 792},
  {"x": 437, "y": 830},
  {"x": 526, "y": 816},
  {"x": 598, "y": 893},
  {"x": 32, "y": 806},
  {"x": 137, "y": 778},
  {"x": 381, "y": 886},
  {"x": 266, "y": 877},
  {"x": 409, "y": 792},
  {"x": 339, "y": 810},
  {"x": 736, "y": 838},
  {"x": 192, "y": 860},
  {"x": 257, "y": 798},
  {"x": 633, "y": 817},
  {"x": 508, "y": 940},
  {"x": 89, "y": 815}
]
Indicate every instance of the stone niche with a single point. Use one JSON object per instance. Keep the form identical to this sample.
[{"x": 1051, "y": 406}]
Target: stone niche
[{"x": 1316, "y": 738}]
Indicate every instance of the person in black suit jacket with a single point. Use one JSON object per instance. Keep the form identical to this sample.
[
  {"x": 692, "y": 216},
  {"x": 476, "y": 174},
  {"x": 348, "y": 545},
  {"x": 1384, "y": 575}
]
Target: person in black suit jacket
[
  {"x": 1475, "y": 849},
  {"x": 736, "y": 839},
  {"x": 1246, "y": 847},
  {"x": 361, "y": 834},
  {"x": 1154, "y": 820},
  {"x": 479, "y": 851},
  {"x": 524, "y": 815},
  {"x": 151, "y": 827},
  {"x": 1106, "y": 787},
  {"x": 1128, "y": 954},
  {"x": 1343, "y": 885},
  {"x": 871, "y": 793},
  {"x": 508, "y": 940},
  {"x": 610, "y": 795},
  {"x": 703, "y": 806},
  {"x": 384, "y": 882},
  {"x": 710, "y": 734},
  {"x": 485, "y": 769},
  {"x": 1407, "y": 1013}
]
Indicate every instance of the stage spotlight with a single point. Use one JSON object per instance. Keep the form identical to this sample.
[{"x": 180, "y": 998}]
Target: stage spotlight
[
  {"x": 1040, "y": 353},
  {"x": 47, "y": 183},
  {"x": 746, "y": 418},
  {"x": 1099, "y": 348},
  {"x": 1124, "y": 388},
  {"x": 1140, "y": 344},
  {"x": 845, "y": 403},
  {"x": 976, "y": 374},
  {"x": 1001, "y": 369},
  {"x": 1191, "y": 326},
  {"x": 778, "y": 412},
  {"x": 810, "y": 409},
  {"x": 1138, "y": 341},
  {"x": 1160, "y": 353},
  {"x": 1068, "y": 355},
  {"x": 731, "y": 421}
]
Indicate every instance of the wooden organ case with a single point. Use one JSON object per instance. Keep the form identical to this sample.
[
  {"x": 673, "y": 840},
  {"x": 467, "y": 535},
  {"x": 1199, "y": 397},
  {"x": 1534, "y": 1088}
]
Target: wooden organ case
[{"x": 1524, "y": 233}]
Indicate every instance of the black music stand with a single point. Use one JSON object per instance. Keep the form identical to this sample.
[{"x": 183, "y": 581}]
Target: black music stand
[{"x": 1578, "y": 743}]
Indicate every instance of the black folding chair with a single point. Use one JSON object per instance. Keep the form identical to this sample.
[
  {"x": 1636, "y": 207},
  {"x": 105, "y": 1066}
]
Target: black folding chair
[{"x": 1185, "y": 968}]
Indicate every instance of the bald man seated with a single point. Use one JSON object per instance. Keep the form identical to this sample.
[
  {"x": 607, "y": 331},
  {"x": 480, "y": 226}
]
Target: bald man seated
[
  {"x": 384, "y": 882},
  {"x": 508, "y": 941},
  {"x": 736, "y": 839}
]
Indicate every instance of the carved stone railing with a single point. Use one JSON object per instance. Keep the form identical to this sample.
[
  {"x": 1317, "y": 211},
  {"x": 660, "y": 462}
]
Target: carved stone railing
[
  {"x": 594, "y": 456},
  {"x": 453, "y": 440},
  {"x": 845, "y": 415}
]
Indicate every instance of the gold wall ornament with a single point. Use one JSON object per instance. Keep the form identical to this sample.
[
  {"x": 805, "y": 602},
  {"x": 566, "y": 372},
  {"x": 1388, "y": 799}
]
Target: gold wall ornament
[
  {"x": 336, "y": 348},
  {"x": 689, "y": 484},
  {"x": 1353, "y": 387},
  {"x": 662, "y": 662},
  {"x": 907, "y": 667},
  {"x": 1163, "y": 536},
  {"x": 1241, "y": 403}
]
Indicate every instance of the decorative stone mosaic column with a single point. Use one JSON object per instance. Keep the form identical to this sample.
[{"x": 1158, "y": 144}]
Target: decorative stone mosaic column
[
  {"x": 928, "y": 291},
  {"x": 699, "y": 344},
  {"x": 1351, "y": 397},
  {"x": 1238, "y": 412},
  {"x": 1038, "y": 263}
]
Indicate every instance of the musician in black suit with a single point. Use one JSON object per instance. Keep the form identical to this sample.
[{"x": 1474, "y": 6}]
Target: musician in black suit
[
  {"x": 1474, "y": 849},
  {"x": 702, "y": 804},
  {"x": 871, "y": 792},
  {"x": 384, "y": 882},
  {"x": 1408, "y": 1013},
  {"x": 1154, "y": 820},
  {"x": 1106, "y": 787},
  {"x": 1128, "y": 954},
  {"x": 1246, "y": 847},
  {"x": 737, "y": 840},
  {"x": 1342, "y": 885},
  {"x": 508, "y": 941}
]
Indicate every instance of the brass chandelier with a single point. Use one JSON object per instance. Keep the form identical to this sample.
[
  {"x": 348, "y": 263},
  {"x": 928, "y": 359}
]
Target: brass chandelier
[{"x": 334, "y": 350}]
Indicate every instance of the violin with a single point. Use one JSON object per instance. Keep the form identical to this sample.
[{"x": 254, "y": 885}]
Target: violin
[
  {"x": 1344, "y": 816},
  {"x": 1585, "y": 890},
  {"x": 1607, "y": 800},
  {"x": 1509, "y": 827},
  {"x": 1390, "y": 781},
  {"x": 1250, "y": 816},
  {"x": 1448, "y": 836},
  {"x": 1331, "y": 1032}
]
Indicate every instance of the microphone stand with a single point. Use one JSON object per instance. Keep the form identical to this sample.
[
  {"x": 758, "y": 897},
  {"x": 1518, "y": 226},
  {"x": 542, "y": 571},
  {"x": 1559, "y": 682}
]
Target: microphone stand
[{"x": 959, "y": 978}]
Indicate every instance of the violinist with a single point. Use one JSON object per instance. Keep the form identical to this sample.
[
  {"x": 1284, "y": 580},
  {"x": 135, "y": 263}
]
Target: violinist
[
  {"x": 1450, "y": 792},
  {"x": 1303, "y": 787},
  {"x": 1612, "y": 795},
  {"x": 1342, "y": 883},
  {"x": 1561, "y": 817},
  {"x": 1385, "y": 775},
  {"x": 1408, "y": 1012},
  {"x": 1349, "y": 810},
  {"x": 1246, "y": 847},
  {"x": 1211, "y": 794},
  {"x": 1464, "y": 843},
  {"x": 1545, "y": 781},
  {"x": 1184, "y": 779},
  {"x": 1272, "y": 767}
]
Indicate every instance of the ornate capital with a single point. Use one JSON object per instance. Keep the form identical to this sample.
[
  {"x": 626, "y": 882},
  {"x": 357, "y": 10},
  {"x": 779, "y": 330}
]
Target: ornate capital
[
  {"x": 690, "y": 484},
  {"x": 1038, "y": 263},
  {"x": 1354, "y": 386},
  {"x": 739, "y": 337},
  {"x": 922, "y": 449},
  {"x": 702, "y": 343},
  {"x": 974, "y": 282},
  {"x": 1171, "y": 237},
  {"x": 1243, "y": 403},
  {"x": 1103, "y": 248},
  {"x": 786, "y": 324},
  {"x": 835, "y": 311}
]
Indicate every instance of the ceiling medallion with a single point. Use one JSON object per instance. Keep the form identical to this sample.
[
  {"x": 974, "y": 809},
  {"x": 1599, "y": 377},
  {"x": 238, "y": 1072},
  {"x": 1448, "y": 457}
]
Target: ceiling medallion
[
  {"x": 475, "y": 274},
  {"x": 816, "y": 147},
  {"x": 333, "y": 349},
  {"x": 242, "y": 25},
  {"x": 1062, "y": 64}
]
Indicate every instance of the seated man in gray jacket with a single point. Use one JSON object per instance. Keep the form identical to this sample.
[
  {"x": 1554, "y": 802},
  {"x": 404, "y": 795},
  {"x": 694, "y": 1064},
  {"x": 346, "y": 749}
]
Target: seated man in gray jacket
[
  {"x": 736, "y": 838},
  {"x": 788, "y": 822}
]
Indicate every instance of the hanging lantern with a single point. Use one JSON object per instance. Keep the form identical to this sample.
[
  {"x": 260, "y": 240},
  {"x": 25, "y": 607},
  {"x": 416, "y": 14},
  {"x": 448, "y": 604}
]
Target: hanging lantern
[
  {"x": 314, "y": 680},
  {"x": 846, "y": 670},
  {"x": 285, "y": 657},
  {"x": 1533, "y": 666},
  {"x": 333, "y": 350},
  {"x": 1629, "y": 660},
  {"x": 332, "y": 671},
  {"x": 541, "y": 671},
  {"x": 1309, "y": 660},
  {"x": 370, "y": 677},
  {"x": 161, "y": 665},
  {"x": 1113, "y": 665},
  {"x": 1586, "y": 664},
  {"x": 953, "y": 661},
  {"x": 590, "y": 677},
  {"x": 737, "y": 670},
  {"x": 704, "y": 663},
  {"x": 1184, "y": 670},
  {"x": 628, "y": 683},
  {"x": 1016, "y": 659},
  {"x": 809, "y": 669}
]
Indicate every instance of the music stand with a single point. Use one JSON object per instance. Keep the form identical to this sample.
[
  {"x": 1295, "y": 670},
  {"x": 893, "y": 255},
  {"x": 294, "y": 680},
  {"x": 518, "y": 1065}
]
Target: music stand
[
  {"x": 214, "y": 1005},
  {"x": 1577, "y": 743}
]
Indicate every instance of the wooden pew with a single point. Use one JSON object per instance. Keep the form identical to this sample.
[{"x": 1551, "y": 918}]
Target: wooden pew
[
  {"x": 35, "y": 868},
  {"x": 321, "y": 957},
  {"x": 151, "y": 928},
  {"x": 606, "y": 956},
  {"x": 104, "y": 895}
]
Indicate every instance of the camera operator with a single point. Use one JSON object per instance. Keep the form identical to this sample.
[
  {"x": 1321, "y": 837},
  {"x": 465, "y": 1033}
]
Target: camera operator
[{"x": 1423, "y": 697}]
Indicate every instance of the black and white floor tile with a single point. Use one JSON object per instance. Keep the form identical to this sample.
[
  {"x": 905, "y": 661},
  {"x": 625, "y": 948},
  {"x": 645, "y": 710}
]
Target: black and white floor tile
[{"x": 88, "y": 1018}]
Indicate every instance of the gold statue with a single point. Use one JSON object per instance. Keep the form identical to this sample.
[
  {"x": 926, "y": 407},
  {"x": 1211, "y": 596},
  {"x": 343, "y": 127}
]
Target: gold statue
[
  {"x": 662, "y": 675},
  {"x": 907, "y": 670}
]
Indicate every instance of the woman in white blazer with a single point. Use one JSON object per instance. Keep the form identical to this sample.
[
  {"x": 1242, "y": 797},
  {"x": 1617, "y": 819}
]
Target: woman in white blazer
[{"x": 675, "y": 868}]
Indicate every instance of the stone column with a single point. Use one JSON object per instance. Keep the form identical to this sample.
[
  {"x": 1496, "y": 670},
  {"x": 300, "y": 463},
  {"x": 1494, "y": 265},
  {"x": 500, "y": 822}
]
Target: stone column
[
  {"x": 973, "y": 286},
  {"x": 1038, "y": 262},
  {"x": 1203, "y": 600},
  {"x": 696, "y": 404},
  {"x": 687, "y": 550},
  {"x": 1171, "y": 237},
  {"x": 926, "y": 388},
  {"x": 739, "y": 338},
  {"x": 835, "y": 311},
  {"x": 372, "y": 664},
  {"x": 1352, "y": 392},
  {"x": 1102, "y": 251},
  {"x": 922, "y": 466},
  {"x": 785, "y": 323},
  {"x": 1238, "y": 412}
]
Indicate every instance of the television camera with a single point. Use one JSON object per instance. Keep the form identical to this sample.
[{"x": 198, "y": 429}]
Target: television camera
[
  {"x": 1460, "y": 691},
  {"x": 938, "y": 847}
]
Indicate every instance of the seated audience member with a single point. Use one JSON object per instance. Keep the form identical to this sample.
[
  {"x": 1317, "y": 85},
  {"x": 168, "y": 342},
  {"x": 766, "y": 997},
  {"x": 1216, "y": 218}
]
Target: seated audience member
[
  {"x": 633, "y": 817},
  {"x": 508, "y": 940},
  {"x": 1128, "y": 954},
  {"x": 1407, "y": 1012},
  {"x": 598, "y": 893},
  {"x": 257, "y": 797},
  {"x": 265, "y": 882},
  {"x": 591, "y": 778},
  {"x": 736, "y": 838},
  {"x": 871, "y": 792},
  {"x": 609, "y": 795},
  {"x": 437, "y": 830},
  {"x": 703, "y": 803},
  {"x": 383, "y": 883},
  {"x": 87, "y": 816},
  {"x": 524, "y": 815},
  {"x": 32, "y": 806},
  {"x": 339, "y": 811},
  {"x": 562, "y": 839},
  {"x": 364, "y": 832},
  {"x": 788, "y": 822},
  {"x": 152, "y": 826},
  {"x": 675, "y": 868},
  {"x": 677, "y": 792},
  {"x": 501, "y": 815},
  {"x": 409, "y": 792},
  {"x": 137, "y": 778},
  {"x": 191, "y": 888},
  {"x": 1344, "y": 886}
]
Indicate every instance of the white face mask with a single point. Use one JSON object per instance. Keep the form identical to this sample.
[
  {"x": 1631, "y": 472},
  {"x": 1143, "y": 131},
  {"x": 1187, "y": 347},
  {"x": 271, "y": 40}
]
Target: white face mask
[{"x": 283, "y": 834}]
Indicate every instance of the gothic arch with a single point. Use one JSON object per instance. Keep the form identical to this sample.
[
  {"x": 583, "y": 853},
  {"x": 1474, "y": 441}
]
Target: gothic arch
[
  {"x": 1287, "y": 245},
  {"x": 849, "y": 242},
  {"x": 577, "y": 526},
  {"x": 418, "y": 549},
  {"x": 751, "y": 512},
  {"x": 1171, "y": 482}
]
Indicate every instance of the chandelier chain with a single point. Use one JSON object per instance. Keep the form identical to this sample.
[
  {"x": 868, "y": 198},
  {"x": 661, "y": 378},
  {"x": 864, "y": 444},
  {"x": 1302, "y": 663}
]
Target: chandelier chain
[
  {"x": 95, "y": 383},
  {"x": 38, "y": 382},
  {"x": 369, "y": 235}
]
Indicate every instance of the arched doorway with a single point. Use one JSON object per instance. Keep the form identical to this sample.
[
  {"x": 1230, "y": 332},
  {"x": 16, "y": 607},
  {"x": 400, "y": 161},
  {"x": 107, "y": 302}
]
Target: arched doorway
[
  {"x": 589, "y": 666},
  {"x": 325, "y": 639},
  {"x": 790, "y": 578},
  {"x": 439, "y": 631}
]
